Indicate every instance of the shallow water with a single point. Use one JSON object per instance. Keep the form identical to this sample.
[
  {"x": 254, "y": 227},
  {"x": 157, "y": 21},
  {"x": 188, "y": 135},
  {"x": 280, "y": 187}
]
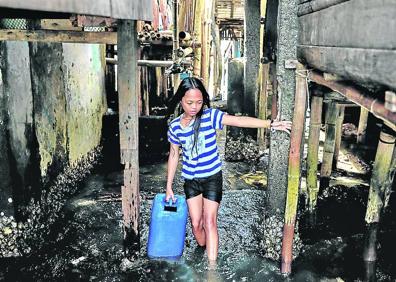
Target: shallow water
[{"x": 86, "y": 243}]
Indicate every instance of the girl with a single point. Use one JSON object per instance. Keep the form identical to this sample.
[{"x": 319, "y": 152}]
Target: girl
[{"x": 194, "y": 131}]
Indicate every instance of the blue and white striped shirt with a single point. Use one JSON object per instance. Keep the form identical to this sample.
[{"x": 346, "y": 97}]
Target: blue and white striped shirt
[{"x": 204, "y": 159}]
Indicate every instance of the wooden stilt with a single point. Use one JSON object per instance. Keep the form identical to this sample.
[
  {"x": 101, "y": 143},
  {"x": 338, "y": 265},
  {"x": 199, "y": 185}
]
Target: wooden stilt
[
  {"x": 381, "y": 169},
  {"x": 129, "y": 118},
  {"x": 361, "y": 132},
  {"x": 313, "y": 149},
  {"x": 294, "y": 170},
  {"x": 262, "y": 111},
  {"x": 145, "y": 88},
  {"x": 328, "y": 150},
  {"x": 338, "y": 133},
  {"x": 381, "y": 180}
]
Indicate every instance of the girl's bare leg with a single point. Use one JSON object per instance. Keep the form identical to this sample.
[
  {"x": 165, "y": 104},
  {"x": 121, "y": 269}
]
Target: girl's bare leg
[
  {"x": 195, "y": 208},
  {"x": 210, "y": 209}
]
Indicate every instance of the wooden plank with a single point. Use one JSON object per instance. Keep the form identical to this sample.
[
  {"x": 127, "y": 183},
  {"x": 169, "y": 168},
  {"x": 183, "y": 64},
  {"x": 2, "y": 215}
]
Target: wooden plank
[
  {"x": 364, "y": 24},
  {"x": 58, "y": 36},
  {"x": 361, "y": 65},
  {"x": 307, "y": 7},
  {"x": 120, "y": 9}
]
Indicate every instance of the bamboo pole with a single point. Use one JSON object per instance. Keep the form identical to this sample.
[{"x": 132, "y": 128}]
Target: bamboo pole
[
  {"x": 313, "y": 149},
  {"x": 205, "y": 47},
  {"x": 381, "y": 182},
  {"x": 296, "y": 139},
  {"x": 262, "y": 85},
  {"x": 145, "y": 88},
  {"x": 198, "y": 14},
  {"x": 329, "y": 144},
  {"x": 381, "y": 168},
  {"x": 262, "y": 110},
  {"x": 129, "y": 141},
  {"x": 149, "y": 63},
  {"x": 338, "y": 133},
  {"x": 362, "y": 127}
]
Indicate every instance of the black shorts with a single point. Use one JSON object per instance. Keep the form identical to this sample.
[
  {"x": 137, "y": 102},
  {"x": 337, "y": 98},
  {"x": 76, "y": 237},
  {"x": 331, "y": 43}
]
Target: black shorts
[{"x": 210, "y": 187}]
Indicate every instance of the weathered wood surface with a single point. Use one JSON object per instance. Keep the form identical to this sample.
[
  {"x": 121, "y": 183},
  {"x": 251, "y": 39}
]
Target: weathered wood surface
[
  {"x": 358, "y": 64},
  {"x": 104, "y": 37},
  {"x": 311, "y": 6},
  {"x": 354, "y": 39},
  {"x": 120, "y": 9},
  {"x": 356, "y": 24},
  {"x": 313, "y": 150},
  {"x": 128, "y": 85}
]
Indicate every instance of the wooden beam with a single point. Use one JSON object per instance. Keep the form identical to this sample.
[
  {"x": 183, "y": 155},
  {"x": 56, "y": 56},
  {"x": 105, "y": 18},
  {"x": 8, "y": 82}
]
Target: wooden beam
[
  {"x": 65, "y": 36},
  {"x": 357, "y": 96},
  {"x": 377, "y": 66},
  {"x": 129, "y": 142},
  {"x": 364, "y": 24}
]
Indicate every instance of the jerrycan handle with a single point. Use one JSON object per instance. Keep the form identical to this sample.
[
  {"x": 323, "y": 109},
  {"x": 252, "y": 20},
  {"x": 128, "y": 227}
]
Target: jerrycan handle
[{"x": 170, "y": 206}]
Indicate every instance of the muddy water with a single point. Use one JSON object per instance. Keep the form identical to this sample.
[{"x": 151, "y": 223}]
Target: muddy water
[
  {"x": 86, "y": 244},
  {"x": 88, "y": 241}
]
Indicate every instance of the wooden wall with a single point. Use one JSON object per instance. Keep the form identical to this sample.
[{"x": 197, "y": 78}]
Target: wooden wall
[{"x": 355, "y": 39}]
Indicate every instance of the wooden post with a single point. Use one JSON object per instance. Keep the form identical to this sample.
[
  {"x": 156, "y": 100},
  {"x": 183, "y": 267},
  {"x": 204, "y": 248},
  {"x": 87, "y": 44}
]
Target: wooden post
[
  {"x": 328, "y": 148},
  {"x": 381, "y": 180},
  {"x": 144, "y": 78},
  {"x": 129, "y": 141},
  {"x": 313, "y": 149},
  {"x": 361, "y": 132},
  {"x": 262, "y": 111},
  {"x": 381, "y": 168},
  {"x": 294, "y": 170},
  {"x": 338, "y": 133}
]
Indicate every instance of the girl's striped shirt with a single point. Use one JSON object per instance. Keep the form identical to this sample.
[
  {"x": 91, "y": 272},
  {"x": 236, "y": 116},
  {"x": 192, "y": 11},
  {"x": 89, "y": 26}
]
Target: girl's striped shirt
[{"x": 203, "y": 160}]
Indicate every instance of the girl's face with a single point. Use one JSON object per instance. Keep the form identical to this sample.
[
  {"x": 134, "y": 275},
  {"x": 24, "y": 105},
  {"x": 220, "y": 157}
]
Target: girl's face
[{"x": 192, "y": 102}]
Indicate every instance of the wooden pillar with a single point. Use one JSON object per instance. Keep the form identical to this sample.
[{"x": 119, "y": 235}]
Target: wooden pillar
[
  {"x": 329, "y": 144},
  {"x": 381, "y": 181},
  {"x": 129, "y": 141},
  {"x": 313, "y": 149},
  {"x": 381, "y": 169},
  {"x": 294, "y": 170},
  {"x": 361, "y": 132},
  {"x": 338, "y": 133}
]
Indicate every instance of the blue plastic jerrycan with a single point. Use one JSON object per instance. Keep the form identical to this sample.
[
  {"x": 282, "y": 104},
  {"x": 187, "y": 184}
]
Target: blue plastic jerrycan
[{"x": 167, "y": 227}]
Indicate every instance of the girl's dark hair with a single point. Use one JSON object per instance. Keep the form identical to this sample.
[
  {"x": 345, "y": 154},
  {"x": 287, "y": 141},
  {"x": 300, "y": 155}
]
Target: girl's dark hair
[{"x": 186, "y": 84}]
